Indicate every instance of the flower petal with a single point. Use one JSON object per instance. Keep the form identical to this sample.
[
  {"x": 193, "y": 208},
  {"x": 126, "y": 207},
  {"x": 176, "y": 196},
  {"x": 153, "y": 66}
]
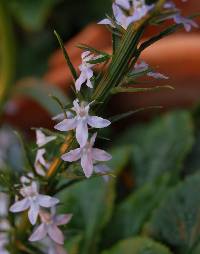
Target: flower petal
[
  {"x": 124, "y": 4},
  {"x": 98, "y": 122},
  {"x": 20, "y": 206},
  {"x": 66, "y": 125},
  {"x": 73, "y": 155},
  {"x": 87, "y": 164},
  {"x": 106, "y": 22},
  {"x": 33, "y": 212},
  {"x": 100, "y": 155},
  {"x": 82, "y": 133},
  {"x": 39, "y": 233},
  {"x": 82, "y": 78},
  {"x": 47, "y": 201},
  {"x": 55, "y": 234},
  {"x": 63, "y": 219}
]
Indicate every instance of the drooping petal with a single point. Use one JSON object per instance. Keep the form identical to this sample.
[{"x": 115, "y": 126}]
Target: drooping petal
[
  {"x": 47, "y": 201},
  {"x": 33, "y": 212},
  {"x": 66, "y": 125},
  {"x": 63, "y": 219},
  {"x": 73, "y": 155},
  {"x": 87, "y": 164},
  {"x": 82, "y": 78},
  {"x": 39, "y": 234},
  {"x": 42, "y": 139},
  {"x": 106, "y": 22},
  {"x": 98, "y": 122},
  {"x": 100, "y": 155},
  {"x": 20, "y": 206},
  {"x": 55, "y": 233},
  {"x": 157, "y": 75},
  {"x": 124, "y": 4},
  {"x": 82, "y": 133}
]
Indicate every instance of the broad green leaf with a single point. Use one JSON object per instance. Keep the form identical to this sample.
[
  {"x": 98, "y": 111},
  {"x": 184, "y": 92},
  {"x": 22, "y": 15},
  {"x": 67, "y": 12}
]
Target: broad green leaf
[
  {"x": 41, "y": 93},
  {"x": 160, "y": 146},
  {"x": 177, "y": 219},
  {"x": 138, "y": 245},
  {"x": 31, "y": 14},
  {"x": 91, "y": 202},
  {"x": 131, "y": 214}
]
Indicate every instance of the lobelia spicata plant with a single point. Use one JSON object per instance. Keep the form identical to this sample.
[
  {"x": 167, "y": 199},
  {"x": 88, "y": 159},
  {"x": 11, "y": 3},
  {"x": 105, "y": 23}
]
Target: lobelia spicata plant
[{"x": 79, "y": 124}]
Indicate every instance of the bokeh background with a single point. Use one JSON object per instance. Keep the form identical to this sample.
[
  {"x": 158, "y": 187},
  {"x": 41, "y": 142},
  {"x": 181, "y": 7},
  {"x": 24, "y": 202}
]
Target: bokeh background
[{"x": 32, "y": 65}]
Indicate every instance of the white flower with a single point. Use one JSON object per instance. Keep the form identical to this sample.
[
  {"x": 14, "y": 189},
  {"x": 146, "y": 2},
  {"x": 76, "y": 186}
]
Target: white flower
[
  {"x": 32, "y": 201},
  {"x": 187, "y": 23},
  {"x": 49, "y": 227},
  {"x": 40, "y": 162},
  {"x": 42, "y": 139},
  {"x": 86, "y": 70},
  {"x": 143, "y": 67},
  {"x": 81, "y": 121},
  {"x": 88, "y": 155},
  {"x": 137, "y": 11}
]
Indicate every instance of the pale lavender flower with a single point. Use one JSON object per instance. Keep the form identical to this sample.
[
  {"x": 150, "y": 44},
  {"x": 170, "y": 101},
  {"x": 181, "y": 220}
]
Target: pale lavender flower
[
  {"x": 33, "y": 201},
  {"x": 81, "y": 121},
  {"x": 42, "y": 139},
  {"x": 88, "y": 156},
  {"x": 186, "y": 22},
  {"x": 125, "y": 4},
  {"x": 144, "y": 67},
  {"x": 40, "y": 162},
  {"x": 56, "y": 249},
  {"x": 49, "y": 227},
  {"x": 86, "y": 70},
  {"x": 139, "y": 10},
  {"x": 27, "y": 179}
]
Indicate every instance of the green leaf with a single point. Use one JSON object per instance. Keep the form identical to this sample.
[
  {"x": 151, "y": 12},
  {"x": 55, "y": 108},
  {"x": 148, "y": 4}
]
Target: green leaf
[
  {"x": 67, "y": 58},
  {"x": 131, "y": 214},
  {"x": 93, "y": 50},
  {"x": 122, "y": 116},
  {"x": 91, "y": 202},
  {"x": 160, "y": 146},
  {"x": 99, "y": 60},
  {"x": 40, "y": 92},
  {"x": 138, "y": 245},
  {"x": 31, "y": 14},
  {"x": 138, "y": 89},
  {"x": 177, "y": 220}
]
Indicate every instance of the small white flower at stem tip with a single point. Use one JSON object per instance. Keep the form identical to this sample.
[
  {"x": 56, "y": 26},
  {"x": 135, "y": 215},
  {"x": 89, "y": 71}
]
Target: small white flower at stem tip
[
  {"x": 142, "y": 66},
  {"x": 32, "y": 202},
  {"x": 81, "y": 121},
  {"x": 40, "y": 162},
  {"x": 88, "y": 156},
  {"x": 186, "y": 22},
  {"x": 42, "y": 139},
  {"x": 136, "y": 11},
  {"x": 86, "y": 70},
  {"x": 49, "y": 227}
]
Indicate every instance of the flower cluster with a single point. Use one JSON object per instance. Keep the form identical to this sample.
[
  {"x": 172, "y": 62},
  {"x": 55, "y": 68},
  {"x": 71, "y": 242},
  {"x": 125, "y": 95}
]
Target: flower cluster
[
  {"x": 36, "y": 204},
  {"x": 137, "y": 9}
]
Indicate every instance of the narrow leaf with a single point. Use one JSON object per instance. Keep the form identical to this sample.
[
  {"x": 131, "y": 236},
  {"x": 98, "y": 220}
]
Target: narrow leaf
[
  {"x": 119, "y": 117},
  {"x": 137, "y": 90},
  {"x": 67, "y": 58},
  {"x": 93, "y": 50}
]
